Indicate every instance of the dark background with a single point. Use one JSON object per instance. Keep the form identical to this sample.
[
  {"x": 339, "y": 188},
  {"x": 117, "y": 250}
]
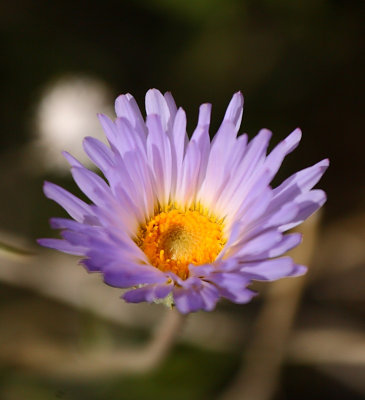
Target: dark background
[{"x": 297, "y": 64}]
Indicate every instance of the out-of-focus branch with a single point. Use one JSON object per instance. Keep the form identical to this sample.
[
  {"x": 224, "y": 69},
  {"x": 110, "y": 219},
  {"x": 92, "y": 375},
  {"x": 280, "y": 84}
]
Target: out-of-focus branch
[
  {"x": 53, "y": 360},
  {"x": 13, "y": 252},
  {"x": 258, "y": 377},
  {"x": 328, "y": 346}
]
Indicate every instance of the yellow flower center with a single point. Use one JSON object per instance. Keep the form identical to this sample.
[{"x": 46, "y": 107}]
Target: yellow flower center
[{"x": 174, "y": 239}]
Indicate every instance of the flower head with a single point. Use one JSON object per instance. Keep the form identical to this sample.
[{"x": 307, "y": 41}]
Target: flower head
[{"x": 191, "y": 220}]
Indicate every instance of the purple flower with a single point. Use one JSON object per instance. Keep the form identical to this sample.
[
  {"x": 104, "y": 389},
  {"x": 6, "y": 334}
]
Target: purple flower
[{"x": 183, "y": 220}]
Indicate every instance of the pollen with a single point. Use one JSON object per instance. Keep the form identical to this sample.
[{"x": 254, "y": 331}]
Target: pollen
[{"x": 176, "y": 238}]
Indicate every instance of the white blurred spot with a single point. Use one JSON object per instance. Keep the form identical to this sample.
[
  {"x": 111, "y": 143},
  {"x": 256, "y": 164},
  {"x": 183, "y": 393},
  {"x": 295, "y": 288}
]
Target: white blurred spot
[{"x": 65, "y": 115}]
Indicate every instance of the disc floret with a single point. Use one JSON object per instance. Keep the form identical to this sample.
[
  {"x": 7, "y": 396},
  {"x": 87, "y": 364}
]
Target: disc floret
[{"x": 175, "y": 238}]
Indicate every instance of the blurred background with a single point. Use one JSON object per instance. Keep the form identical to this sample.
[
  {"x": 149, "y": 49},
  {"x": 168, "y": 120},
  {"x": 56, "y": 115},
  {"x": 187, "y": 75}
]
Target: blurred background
[{"x": 297, "y": 64}]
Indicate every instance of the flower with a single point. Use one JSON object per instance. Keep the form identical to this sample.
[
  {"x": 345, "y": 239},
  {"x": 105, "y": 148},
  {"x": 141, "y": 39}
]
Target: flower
[{"x": 185, "y": 221}]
